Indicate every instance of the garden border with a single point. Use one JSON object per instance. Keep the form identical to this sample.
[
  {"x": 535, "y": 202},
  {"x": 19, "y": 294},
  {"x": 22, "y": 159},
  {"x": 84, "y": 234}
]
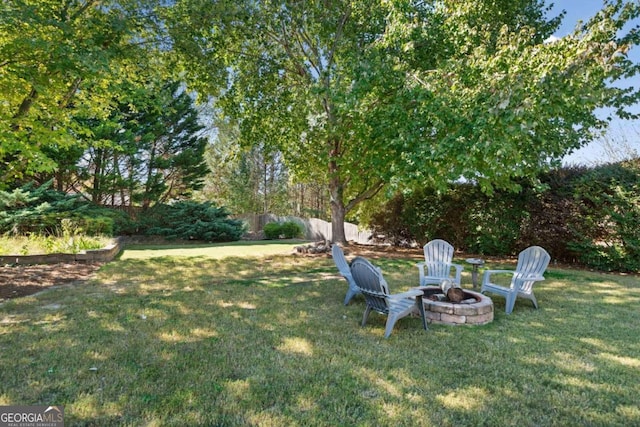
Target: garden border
[{"x": 89, "y": 256}]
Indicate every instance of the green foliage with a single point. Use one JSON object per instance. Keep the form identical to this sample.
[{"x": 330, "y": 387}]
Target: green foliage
[
  {"x": 150, "y": 149},
  {"x": 291, "y": 229},
  {"x": 287, "y": 230},
  {"x": 360, "y": 95},
  {"x": 272, "y": 230},
  {"x": 31, "y": 209},
  {"x": 189, "y": 220},
  {"x": 42, "y": 211},
  {"x": 588, "y": 216},
  {"x": 464, "y": 216},
  {"x": 608, "y": 235},
  {"x": 61, "y": 59},
  {"x": 494, "y": 223}
]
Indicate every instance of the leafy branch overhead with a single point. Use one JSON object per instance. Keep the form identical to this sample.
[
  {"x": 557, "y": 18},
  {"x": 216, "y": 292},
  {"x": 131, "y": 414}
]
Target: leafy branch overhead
[
  {"x": 357, "y": 96},
  {"x": 403, "y": 93}
]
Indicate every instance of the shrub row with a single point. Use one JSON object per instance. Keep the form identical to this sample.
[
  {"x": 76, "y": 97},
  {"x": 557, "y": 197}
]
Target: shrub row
[
  {"x": 286, "y": 230},
  {"x": 584, "y": 215},
  {"x": 43, "y": 211}
]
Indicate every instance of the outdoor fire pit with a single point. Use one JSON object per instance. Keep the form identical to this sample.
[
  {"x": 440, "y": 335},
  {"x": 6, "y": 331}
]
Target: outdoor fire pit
[{"x": 474, "y": 309}]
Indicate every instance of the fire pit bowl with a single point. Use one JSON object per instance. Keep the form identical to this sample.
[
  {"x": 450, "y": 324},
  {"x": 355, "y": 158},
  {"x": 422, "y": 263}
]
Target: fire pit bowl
[{"x": 474, "y": 309}]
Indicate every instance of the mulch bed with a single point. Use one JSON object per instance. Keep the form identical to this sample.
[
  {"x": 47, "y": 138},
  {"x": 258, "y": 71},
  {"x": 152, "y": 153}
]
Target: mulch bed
[{"x": 22, "y": 280}]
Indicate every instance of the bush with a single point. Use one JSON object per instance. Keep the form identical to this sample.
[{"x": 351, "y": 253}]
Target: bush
[
  {"x": 291, "y": 230},
  {"x": 272, "y": 230},
  {"x": 42, "y": 211},
  {"x": 194, "y": 221},
  {"x": 287, "y": 230},
  {"x": 494, "y": 223}
]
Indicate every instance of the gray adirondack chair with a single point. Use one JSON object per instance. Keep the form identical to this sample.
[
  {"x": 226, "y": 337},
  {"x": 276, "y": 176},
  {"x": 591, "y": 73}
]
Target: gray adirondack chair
[
  {"x": 532, "y": 263},
  {"x": 345, "y": 271},
  {"x": 376, "y": 293},
  {"x": 438, "y": 265}
]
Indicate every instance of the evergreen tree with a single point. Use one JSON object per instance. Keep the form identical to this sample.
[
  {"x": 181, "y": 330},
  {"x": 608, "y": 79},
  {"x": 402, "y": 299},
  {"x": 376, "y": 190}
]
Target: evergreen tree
[{"x": 150, "y": 150}]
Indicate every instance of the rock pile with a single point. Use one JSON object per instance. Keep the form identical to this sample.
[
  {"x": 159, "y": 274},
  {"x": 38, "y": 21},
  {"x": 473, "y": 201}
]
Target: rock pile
[{"x": 321, "y": 247}]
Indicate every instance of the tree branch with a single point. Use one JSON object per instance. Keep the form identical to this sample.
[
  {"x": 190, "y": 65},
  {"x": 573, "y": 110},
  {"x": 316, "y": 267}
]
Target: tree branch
[
  {"x": 83, "y": 9},
  {"x": 365, "y": 195}
]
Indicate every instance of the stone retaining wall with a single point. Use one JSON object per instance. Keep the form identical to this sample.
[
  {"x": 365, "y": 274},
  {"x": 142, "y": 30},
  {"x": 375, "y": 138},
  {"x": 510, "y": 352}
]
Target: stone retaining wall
[{"x": 90, "y": 256}]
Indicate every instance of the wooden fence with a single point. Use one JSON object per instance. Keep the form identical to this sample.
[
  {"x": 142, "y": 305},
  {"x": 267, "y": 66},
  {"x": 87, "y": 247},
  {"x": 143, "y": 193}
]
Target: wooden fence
[{"x": 314, "y": 228}]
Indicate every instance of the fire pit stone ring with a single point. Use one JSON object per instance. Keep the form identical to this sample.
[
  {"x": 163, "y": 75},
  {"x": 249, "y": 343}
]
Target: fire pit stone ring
[{"x": 475, "y": 309}]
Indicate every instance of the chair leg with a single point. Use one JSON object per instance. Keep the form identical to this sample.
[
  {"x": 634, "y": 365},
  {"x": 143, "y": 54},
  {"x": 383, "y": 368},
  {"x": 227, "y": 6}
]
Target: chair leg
[
  {"x": 423, "y": 315},
  {"x": 511, "y": 301},
  {"x": 391, "y": 321},
  {"x": 532, "y": 297},
  {"x": 350, "y": 294},
  {"x": 366, "y": 315}
]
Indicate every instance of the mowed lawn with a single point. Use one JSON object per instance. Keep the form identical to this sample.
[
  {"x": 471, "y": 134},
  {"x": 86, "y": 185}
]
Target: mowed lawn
[
  {"x": 158, "y": 339},
  {"x": 217, "y": 251}
]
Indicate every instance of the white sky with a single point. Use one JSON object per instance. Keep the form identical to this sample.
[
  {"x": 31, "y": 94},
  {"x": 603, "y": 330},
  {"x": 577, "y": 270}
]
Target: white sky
[{"x": 623, "y": 136}]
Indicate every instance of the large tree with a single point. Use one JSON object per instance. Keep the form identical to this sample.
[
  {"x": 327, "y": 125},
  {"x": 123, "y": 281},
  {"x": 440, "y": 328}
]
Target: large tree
[
  {"x": 60, "y": 58},
  {"x": 150, "y": 149},
  {"x": 404, "y": 92}
]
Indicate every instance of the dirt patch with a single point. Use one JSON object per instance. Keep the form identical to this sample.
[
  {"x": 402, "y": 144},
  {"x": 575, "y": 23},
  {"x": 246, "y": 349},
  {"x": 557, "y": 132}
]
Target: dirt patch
[{"x": 22, "y": 280}]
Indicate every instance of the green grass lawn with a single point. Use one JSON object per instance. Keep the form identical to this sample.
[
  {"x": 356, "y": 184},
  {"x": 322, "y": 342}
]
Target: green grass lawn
[
  {"x": 266, "y": 341},
  {"x": 218, "y": 250}
]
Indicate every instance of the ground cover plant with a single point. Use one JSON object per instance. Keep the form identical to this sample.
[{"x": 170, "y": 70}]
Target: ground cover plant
[
  {"x": 39, "y": 244},
  {"x": 198, "y": 340}
]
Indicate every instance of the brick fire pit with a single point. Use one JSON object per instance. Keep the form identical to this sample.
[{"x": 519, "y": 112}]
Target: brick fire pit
[{"x": 475, "y": 309}]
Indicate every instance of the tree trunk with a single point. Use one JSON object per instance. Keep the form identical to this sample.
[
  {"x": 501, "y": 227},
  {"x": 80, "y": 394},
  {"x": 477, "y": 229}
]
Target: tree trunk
[
  {"x": 337, "y": 222},
  {"x": 96, "y": 191},
  {"x": 338, "y": 210}
]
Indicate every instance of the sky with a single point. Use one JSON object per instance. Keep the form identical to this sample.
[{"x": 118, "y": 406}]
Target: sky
[{"x": 623, "y": 136}]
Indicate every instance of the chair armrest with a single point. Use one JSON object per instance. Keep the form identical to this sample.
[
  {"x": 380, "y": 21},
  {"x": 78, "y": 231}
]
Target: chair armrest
[
  {"x": 487, "y": 274},
  {"x": 459, "y": 269},
  {"x": 408, "y": 294},
  {"x": 490, "y": 272},
  {"x": 531, "y": 278}
]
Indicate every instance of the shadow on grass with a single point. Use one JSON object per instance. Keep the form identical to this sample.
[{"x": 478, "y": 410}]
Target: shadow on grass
[
  {"x": 199, "y": 244},
  {"x": 201, "y": 341}
]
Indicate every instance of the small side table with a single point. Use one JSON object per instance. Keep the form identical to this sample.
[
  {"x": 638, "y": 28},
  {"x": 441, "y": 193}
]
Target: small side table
[{"x": 475, "y": 263}]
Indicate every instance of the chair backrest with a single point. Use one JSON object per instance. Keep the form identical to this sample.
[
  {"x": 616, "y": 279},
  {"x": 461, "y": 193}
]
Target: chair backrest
[
  {"x": 532, "y": 262},
  {"x": 438, "y": 255},
  {"x": 340, "y": 260},
  {"x": 370, "y": 281}
]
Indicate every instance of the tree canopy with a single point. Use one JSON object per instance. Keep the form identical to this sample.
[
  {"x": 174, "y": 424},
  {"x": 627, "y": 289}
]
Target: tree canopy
[
  {"x": 355, "y": 95},
  {"x": 59, "y": 59},
  {"x": 371, "y": 94}
]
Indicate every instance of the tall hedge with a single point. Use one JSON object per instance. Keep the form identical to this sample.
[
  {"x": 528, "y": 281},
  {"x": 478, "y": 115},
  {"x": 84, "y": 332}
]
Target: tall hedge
[
  {"x": 586, "y": 215},
  {"x": 608, "y": 237}
]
